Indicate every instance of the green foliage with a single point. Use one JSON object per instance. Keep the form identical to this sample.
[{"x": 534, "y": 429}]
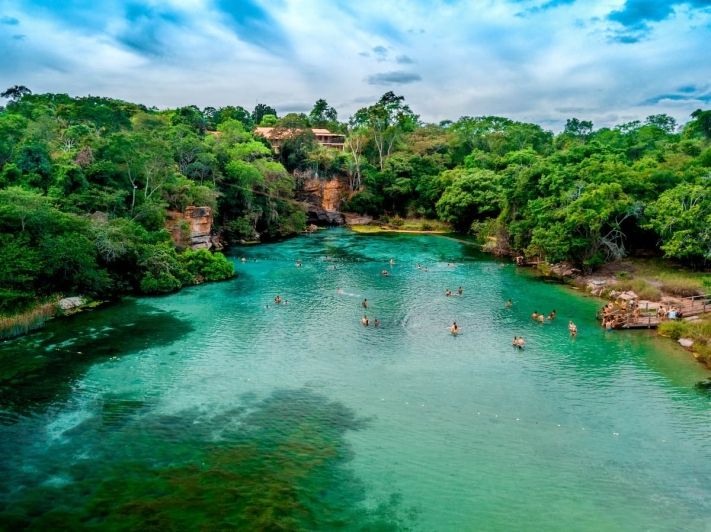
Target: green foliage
[
  {"x": 205, "y": 266},
  {"x": 86, "y": 183}
]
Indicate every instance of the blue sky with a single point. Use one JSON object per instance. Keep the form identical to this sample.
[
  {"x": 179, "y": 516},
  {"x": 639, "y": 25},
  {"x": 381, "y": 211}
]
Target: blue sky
[{"x": 542, "y": 61}]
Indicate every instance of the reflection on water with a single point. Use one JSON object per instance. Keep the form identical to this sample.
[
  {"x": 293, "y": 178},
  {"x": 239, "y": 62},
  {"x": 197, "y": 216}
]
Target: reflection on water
[{"x": 215, "y": 408}]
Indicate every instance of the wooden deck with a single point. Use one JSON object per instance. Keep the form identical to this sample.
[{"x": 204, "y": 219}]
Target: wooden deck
[{"x": 648, "y": 319}]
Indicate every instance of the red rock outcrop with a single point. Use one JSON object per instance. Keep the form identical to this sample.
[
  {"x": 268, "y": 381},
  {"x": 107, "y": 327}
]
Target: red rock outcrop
[{"x": 191, "y": 228}]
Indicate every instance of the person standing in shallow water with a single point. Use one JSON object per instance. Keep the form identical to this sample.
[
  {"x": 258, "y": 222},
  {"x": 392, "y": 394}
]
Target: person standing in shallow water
[
  {"x": 572, "y": 328},
  {"x": 454, "y": 329},
  {"x": 364, "y": 304},
  {"x": 365, "y": 321}
]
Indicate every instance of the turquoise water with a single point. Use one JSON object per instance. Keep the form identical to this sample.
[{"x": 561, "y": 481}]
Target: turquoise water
[{"x": 214, "y": 408}]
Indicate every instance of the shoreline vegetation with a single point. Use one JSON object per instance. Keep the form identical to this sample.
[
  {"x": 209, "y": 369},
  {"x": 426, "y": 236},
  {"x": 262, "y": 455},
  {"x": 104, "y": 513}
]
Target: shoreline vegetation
[{"x": 88, "y": 186}]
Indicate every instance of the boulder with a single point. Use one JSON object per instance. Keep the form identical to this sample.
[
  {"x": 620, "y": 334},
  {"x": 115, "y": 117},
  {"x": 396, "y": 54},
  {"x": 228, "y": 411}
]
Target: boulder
[
  {"x": 318, "y": 216},
  {"x": 686, "y": 342},
  {"x": 71, "y": 303}
]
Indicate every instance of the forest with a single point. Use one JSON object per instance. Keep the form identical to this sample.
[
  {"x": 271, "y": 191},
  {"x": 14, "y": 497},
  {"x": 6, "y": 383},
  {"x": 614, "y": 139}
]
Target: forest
[{"x": 86, "y": 184}]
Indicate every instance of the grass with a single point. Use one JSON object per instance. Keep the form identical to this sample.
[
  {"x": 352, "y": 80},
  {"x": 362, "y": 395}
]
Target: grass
[
  {"x": 397, "y": 224},
  {"x": 698, "y": 330},
  {"x": 643, "y": 288},
  {"x": 670, "y": 279},
  {"x": 24, "y": 322}
]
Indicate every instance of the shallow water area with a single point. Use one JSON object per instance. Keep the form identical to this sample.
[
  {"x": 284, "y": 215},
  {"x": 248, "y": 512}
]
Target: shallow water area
[{"x": 216, "y": 407}]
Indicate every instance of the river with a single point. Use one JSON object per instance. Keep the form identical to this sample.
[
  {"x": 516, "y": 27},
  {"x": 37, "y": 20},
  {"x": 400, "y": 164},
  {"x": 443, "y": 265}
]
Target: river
[{"x": 214, "y": 408}]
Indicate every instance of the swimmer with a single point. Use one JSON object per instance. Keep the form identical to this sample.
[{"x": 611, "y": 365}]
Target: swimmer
[
  {"x": 385, "y": 273},
  {"x": 460, "y": 290},
  {"x": 552, "y": 315},
  {"x": 298, "y": 263},
  {"x": 509, "y": 304},
  {"x": 572, "y": 328},
  {"x": 447, "y": 292},
  {"x": 541, "y": 318},
  {"x": 392, "y": 262},
  {"x": 519, "y": 342},
  {"x": 364, "y": 304},
  {"x": 454, "y": 329},
  {"x": 277, "y": 299},
  {"x": 376, "y": 322},
  {"x": 364, "y": 320},
  {"x": 535, "y": 315}
]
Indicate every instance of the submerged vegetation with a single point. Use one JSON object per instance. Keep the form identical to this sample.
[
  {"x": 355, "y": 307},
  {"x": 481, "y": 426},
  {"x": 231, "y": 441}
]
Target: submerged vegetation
[
  {"x": 87, "y": 183},
  {"x": 281, "y": 465}
]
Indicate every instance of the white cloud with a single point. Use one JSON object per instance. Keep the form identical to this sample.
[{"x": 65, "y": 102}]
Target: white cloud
[{"x": 473, "y": 58}]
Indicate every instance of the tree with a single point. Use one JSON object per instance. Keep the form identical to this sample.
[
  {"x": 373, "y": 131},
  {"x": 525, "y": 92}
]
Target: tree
[
  {"x": 578, "y": 128},
  {"x": 681, "y": 216},
  {"x": 472, "y": 194},
  {"x": 260, "y": 110},
  {"x": 16, "y": 92},
  {"x": 387, "y": 120},
  {"x": 322, "y": 114}
]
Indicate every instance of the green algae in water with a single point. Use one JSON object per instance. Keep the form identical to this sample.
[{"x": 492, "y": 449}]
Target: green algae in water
[
  {"x": 279, "y": 466},
  {"x": 42, "y": 367}
]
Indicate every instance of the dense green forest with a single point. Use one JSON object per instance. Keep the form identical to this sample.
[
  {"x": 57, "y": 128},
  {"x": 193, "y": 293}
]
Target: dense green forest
[{"x": 86, "y": 184}]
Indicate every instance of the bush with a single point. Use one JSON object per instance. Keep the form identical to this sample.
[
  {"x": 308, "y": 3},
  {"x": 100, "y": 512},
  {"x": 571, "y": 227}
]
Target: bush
[
  {"x": 160, "y": 283},
  {"x": 397, "y": 221},
  {"x": 672, "y": 329},
  {"x": 203, "y": 265}
]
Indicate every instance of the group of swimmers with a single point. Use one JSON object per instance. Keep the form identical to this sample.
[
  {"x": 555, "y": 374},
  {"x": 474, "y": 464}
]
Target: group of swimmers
[
  {"x": 448, "y": 292},
  {"x": 541, "y": 318},
  {"x": 365, "y": 321},
  {"x": 518, "y": 342}
]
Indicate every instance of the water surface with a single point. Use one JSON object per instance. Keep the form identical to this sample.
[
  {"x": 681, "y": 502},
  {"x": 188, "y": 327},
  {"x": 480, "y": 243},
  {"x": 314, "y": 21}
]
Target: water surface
[{"x": 216, "y": 408}]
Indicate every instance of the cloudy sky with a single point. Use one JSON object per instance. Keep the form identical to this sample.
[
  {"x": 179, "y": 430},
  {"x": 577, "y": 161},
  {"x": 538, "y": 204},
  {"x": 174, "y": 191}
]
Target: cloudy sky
[{"x": 542, "y": 61}]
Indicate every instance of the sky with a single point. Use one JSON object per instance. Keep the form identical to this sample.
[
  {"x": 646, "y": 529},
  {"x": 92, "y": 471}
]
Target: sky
[{"x": 541, "y": 61}]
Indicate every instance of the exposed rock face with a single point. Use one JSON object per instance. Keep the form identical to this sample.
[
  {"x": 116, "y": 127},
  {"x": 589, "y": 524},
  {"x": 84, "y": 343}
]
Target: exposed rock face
[
  {"x": 324, "y": 199},
  {"x": 191, "y": 228}
]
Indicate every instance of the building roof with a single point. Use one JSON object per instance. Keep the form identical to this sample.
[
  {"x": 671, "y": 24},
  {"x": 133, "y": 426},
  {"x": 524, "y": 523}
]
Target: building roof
[{"x": 276, "y": 133}]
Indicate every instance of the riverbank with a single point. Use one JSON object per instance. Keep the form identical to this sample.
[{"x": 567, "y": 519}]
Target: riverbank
[
  {"x": 654, "y": 282},
  {"x": 396, "y": 224}
]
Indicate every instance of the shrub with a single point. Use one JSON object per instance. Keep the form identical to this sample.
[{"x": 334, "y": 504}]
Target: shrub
[
  {"x": 397, "y": 221},
  {"x": 672, "y": 329},
  {"x": 205, "y": 266}
]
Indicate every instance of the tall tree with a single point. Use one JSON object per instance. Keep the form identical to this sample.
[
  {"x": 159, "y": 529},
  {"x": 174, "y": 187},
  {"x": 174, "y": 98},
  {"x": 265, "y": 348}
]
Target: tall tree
[{"x": 260, "y": 110}]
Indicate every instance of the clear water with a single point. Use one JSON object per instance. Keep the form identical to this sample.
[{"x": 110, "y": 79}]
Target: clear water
[{"x": 214, "y": 408}]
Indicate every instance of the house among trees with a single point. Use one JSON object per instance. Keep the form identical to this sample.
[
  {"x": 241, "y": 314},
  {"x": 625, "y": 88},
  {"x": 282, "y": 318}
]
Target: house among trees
[{"x": 277, "y": 135}]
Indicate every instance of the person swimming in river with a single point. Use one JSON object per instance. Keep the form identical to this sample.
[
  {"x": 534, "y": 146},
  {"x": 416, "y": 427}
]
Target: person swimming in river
[
  {"x": 572, "y": 328},
  {"x": 454, "y": 329},
  {"x": 392, "y": 262},
  {"x": 518, "y": 342},
  {"x": 385, "y": 273},
  {"x": 509, "y": 304},
  {"x": 365, "y": 321},
  {"x": 364, "y": 304},
  {"x": 552, "y": 315},
  {"x": 447, "y": 292},
  {"x": 298, "y": 263},
  {"x": 460, "y": 290},
  {"x": 277, "y": 299},
  {"x": 376, "y": 323}
]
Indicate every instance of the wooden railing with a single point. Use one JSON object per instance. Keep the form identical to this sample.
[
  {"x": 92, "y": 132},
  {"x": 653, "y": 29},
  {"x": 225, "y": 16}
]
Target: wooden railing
[{"x": 648, "y": 317}]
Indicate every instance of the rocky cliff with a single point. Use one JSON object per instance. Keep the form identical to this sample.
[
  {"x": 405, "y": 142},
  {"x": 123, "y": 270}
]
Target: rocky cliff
[
  {"x": 324, "y": 199},
  {"x": 192, "y": 228}
]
